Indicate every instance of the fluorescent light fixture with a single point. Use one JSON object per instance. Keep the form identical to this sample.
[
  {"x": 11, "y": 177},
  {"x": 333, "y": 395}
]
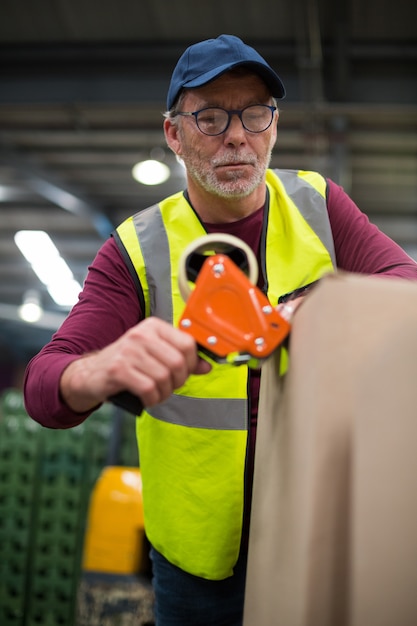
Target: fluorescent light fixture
[
  {"x": 65, "y": 293},
  {"x": 151, "y": 172},
  {"x": 51, "y": 269}
]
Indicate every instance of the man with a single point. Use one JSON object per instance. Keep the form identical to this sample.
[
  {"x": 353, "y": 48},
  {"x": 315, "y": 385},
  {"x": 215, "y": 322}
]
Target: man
[{"x": 197, "y": 434}]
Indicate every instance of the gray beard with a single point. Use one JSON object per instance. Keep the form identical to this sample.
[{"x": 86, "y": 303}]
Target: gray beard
[{"x": 231, "y": 188}]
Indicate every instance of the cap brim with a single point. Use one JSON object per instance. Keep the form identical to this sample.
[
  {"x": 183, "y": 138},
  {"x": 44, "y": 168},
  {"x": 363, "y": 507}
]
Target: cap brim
[{"x": 272, "y": 79}]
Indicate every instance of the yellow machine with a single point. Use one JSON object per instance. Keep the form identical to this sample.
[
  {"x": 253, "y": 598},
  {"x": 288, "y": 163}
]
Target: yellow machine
[{"x": 115, "y": 535}]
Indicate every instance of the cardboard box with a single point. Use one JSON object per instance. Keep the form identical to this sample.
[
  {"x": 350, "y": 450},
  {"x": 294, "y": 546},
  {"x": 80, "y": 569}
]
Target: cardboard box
[{"x": 334, "y": 520}]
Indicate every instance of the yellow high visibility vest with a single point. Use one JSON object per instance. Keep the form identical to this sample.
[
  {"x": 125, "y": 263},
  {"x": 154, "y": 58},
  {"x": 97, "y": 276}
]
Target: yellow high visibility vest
[{"x": 192, "y": 447}]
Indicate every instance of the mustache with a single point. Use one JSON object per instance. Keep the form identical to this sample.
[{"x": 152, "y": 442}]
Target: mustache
[{"x": 233, "y": 159}]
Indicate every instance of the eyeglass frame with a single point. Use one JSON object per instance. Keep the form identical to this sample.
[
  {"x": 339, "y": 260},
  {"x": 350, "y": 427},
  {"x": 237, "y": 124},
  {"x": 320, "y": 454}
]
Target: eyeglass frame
[{"x": 230, "y": 113}]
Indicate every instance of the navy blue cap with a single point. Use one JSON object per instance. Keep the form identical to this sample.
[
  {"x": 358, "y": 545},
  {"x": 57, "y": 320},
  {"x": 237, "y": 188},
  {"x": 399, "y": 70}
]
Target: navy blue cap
[{"x": 204, "y": 61}]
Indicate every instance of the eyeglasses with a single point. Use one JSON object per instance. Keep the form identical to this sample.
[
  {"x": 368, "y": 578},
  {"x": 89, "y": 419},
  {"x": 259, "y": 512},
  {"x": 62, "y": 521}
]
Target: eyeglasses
[{"x": 212, "y": 121}]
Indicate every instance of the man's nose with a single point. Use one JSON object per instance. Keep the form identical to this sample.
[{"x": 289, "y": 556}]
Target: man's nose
[{"x": 235, "y": 131}]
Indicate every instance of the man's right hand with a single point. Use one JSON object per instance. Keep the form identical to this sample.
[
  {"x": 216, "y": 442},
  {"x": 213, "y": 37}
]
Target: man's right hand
[{"x": 150, "y": 360}]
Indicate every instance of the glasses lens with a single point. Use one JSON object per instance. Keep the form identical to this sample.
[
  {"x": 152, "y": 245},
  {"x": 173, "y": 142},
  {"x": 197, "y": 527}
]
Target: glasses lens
[
  {"x": 257, "y": 118},
  {"x": 212, "y": 121}
]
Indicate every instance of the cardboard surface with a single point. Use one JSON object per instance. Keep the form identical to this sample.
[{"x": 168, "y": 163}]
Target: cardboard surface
[{"x": 334, "y": 522}]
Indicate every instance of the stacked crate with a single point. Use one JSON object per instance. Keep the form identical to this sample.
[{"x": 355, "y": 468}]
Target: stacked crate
[
  {"x": 19, "y": 461},
  {"x": 46, "y": 479},
  {"x": 128, "y": 451},
  {"x": 58, "y": 526}
]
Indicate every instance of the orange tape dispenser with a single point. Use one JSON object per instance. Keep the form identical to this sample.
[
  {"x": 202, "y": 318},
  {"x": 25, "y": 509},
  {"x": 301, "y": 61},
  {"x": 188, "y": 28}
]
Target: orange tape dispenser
[{"x": 230, "y": 318}]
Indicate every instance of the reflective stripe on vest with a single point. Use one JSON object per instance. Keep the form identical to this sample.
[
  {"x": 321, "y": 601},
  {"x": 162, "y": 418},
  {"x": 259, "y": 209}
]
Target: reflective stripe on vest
[
  {"x": 310, "y": 205},
  {"x": 219, "y": 413},
  {"x": 193, "y": 446}
]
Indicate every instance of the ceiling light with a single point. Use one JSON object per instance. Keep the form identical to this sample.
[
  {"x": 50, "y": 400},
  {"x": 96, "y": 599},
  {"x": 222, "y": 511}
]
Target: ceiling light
[
  {"x": 51, "y": 269},
  {"x": 151, "y": 172},
  {"x": 31, "y": 309}
]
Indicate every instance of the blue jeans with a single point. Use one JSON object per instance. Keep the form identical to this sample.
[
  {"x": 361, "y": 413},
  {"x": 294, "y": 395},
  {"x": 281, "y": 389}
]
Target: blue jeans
[{"x": 186, "y": 600}]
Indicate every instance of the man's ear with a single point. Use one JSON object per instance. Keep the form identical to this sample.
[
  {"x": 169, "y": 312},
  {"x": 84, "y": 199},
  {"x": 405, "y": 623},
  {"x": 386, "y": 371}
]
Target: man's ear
[
  {"x": 171, "y": 137},
  {"x": 275, "y": 131}
]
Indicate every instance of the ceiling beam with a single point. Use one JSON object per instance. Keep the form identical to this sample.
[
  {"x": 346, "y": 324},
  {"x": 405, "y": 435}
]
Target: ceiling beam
[{"x": 59, "y": 194}]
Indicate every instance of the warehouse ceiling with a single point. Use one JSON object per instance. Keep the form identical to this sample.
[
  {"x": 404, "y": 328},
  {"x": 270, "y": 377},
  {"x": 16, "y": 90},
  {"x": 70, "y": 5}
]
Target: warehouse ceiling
[{"x": 82, "y": 92}]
